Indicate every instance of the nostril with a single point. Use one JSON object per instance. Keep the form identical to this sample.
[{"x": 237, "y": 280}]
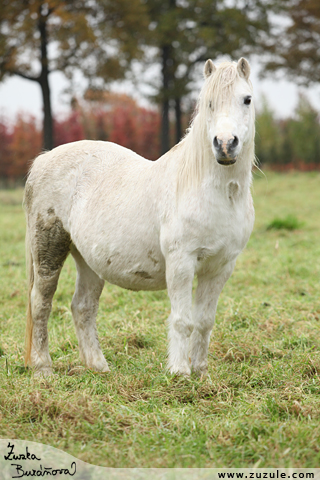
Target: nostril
[
  {"x": 235, "y": 142},
  {"x": 216, "y": 143}
]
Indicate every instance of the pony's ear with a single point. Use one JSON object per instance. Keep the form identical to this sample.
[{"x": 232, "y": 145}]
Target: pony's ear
[
  {"x": 209, "y": 68},
  {"x": 243, "y": 68}
]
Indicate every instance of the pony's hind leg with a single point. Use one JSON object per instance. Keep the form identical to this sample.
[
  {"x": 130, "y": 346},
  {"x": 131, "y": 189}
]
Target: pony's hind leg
[
  {"x": 84, "y": 308},
  {"x": 48, "y": 245},
  {"x": 41, "y": 304}
]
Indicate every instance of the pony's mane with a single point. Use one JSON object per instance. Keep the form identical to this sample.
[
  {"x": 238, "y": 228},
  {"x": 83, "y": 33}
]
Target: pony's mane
[{"x": 218, "y": 88}]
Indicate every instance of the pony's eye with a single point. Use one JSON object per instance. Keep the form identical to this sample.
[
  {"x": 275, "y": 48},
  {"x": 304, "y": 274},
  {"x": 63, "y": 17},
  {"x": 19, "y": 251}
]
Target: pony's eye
[
  {"x": 210, "y": 104},
  {"x": 247, "y": 100}
]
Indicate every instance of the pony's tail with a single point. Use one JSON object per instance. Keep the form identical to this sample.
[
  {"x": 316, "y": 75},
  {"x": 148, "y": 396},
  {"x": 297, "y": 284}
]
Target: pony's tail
[{"x": 29, "y": 324}]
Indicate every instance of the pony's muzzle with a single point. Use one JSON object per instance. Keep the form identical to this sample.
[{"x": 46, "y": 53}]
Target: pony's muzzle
[{"x": 225, "y": 149}]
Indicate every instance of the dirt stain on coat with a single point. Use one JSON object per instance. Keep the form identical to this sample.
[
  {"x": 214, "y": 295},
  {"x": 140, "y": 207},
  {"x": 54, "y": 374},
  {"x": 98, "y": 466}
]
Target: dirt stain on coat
[
  {"x": 52, "y": 243},
  {"x": 143, "y": 274},
  {"x": 28, "y": 197},
  {"x": 152, "y": 257}
]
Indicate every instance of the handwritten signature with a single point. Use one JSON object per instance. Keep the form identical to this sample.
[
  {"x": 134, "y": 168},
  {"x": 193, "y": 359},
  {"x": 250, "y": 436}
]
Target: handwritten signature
[{"x": 35, "y": 472}]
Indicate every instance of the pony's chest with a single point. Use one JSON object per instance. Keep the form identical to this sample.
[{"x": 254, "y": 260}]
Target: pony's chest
[{"x": 223, "y": 231}]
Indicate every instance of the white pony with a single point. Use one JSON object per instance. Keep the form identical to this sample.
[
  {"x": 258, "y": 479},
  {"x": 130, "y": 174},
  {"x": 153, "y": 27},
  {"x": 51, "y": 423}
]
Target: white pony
[{"x": 145, "y": 225}]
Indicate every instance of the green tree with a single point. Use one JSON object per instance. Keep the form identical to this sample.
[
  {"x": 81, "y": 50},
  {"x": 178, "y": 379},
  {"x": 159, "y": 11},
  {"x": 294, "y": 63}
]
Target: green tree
[
  {"x": 304, "y": 133},
  {"x": 296, "y": 48},
  {"x": 188, "y": 32},
  {"x": 294, "y": 141},
  {"x": 38, "y": 37},
  {"x": 268, "y": 135}
]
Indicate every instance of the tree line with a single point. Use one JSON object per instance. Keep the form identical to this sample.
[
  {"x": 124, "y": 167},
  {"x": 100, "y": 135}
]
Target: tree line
[
  {"x": 289, "y": 143},
  {"x": 103, "y": 39},
  {"x": 280, "y": 143}
]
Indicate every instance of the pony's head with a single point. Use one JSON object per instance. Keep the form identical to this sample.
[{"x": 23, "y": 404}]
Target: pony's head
[
  {"x": 226, "y": 108},
  {"x": 222, "y": 131}
]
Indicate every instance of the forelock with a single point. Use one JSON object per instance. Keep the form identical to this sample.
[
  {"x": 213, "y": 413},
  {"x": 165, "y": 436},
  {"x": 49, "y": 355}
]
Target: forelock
[{"x": 219, "y": 87}]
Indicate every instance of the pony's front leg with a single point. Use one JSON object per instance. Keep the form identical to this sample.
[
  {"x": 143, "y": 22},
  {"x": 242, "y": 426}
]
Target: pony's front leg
[
  {"x": 207, "y": 294},
  {"x": 179, "y": 275}
]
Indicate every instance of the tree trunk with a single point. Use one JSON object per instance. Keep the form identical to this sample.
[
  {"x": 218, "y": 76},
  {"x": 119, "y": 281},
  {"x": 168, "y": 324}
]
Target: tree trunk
[
  {"x": 178, "y": 119},
  {"x": 47, "y": 114},
  {"x": 165, "y": 141},
  {"x": 165, "y": 127},
  {"x": 44, "y": 82}
]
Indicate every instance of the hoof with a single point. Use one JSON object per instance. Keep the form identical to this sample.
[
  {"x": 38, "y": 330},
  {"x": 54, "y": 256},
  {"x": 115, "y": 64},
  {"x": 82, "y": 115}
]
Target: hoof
[
  {"x": 182, "y": 370},
  {"x": 200, "y": 373},
  {"x": 43, "y": 372},
  {"x": 200, "y": 370},
  {"x": 101, "y": 367}
]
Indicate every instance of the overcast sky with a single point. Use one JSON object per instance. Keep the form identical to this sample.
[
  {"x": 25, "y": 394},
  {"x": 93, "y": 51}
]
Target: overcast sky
[{"x": 19, "y": 95}]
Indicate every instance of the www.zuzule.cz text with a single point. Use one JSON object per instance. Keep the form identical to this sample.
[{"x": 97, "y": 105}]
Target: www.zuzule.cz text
[{"x": 277, "y": 474}]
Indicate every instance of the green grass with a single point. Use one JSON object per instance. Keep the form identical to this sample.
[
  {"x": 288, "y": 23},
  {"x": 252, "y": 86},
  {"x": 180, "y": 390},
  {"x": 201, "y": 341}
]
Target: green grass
[
  {"x": 259, "y": 404},
  {"x": 290, "y": 222}
]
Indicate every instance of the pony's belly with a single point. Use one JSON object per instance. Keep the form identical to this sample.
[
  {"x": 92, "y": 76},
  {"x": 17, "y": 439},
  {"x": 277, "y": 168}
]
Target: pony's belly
[
  {"x": 133, "y": 272},
  {"x": 136, "y": 279}
]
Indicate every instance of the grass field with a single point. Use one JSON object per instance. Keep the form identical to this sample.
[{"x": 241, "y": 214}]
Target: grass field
[{"x": 259, "y": 405}]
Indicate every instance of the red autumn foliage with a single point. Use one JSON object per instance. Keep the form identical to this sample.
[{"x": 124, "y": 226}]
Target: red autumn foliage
[
  {"x": 110, "y": 117},
  {"x": 25, "y": 144},
  {"x": 119, "y": 119},
  {"x": 68, "y": 129},
  {"x": 5, "y": 153},
  {"x": 137, "y": 129},
  {"x": 19, "y": 145},
  {"x": 296, "y": 166}
]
